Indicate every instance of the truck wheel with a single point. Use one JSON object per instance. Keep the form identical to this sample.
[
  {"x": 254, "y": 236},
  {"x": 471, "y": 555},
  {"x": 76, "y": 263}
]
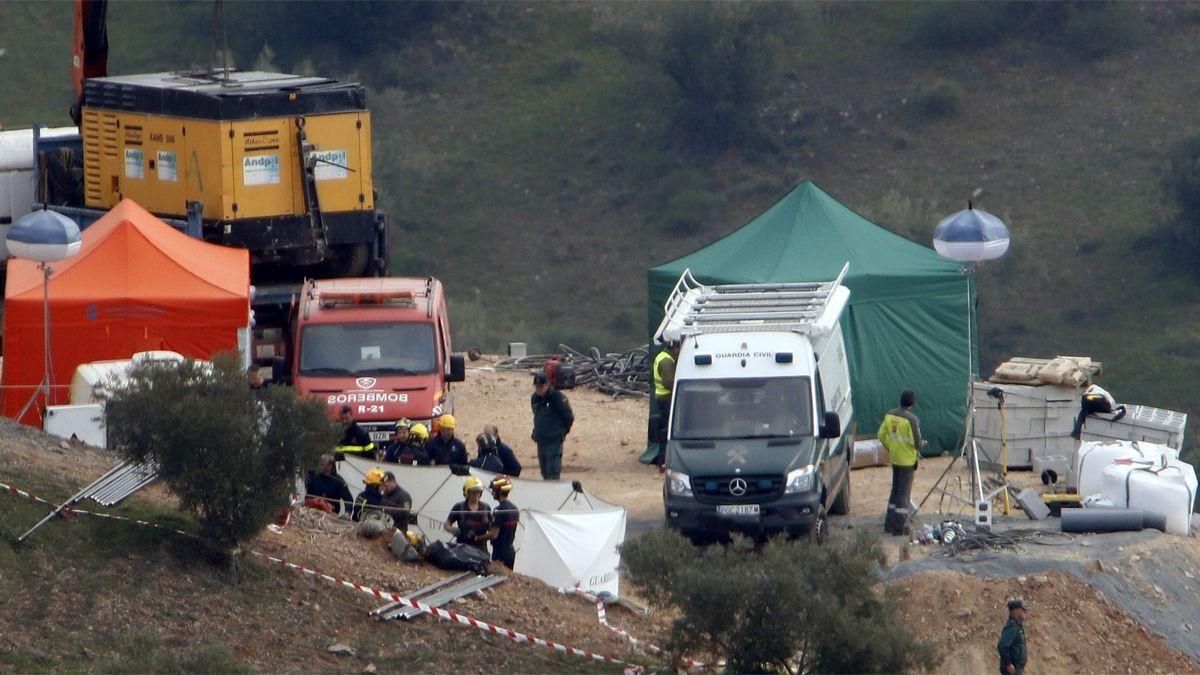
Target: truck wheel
[
  {"x": 349, "y": 260},
  {"x": 841, "y": 505}
]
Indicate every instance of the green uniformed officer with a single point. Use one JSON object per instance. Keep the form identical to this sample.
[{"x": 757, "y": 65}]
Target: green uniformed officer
[{"x": 1012, "y": 640}]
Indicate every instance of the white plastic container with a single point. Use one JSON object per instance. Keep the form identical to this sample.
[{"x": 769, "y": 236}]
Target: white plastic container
[
  {"x": 1167, "y": 486},
  {"x": 1140, "y": 423},
  {"x": 1094, "y": 457}
]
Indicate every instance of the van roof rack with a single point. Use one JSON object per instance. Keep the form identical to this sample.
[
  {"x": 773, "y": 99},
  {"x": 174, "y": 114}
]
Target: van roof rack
[{"x": 696, "y": 309}]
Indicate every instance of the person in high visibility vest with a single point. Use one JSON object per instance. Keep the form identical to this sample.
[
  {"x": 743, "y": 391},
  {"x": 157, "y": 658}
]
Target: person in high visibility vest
[
  {"x": 355, "y": 440},
  {"x": 900, "y": 433},
  {"x": 664, "y": 390}
]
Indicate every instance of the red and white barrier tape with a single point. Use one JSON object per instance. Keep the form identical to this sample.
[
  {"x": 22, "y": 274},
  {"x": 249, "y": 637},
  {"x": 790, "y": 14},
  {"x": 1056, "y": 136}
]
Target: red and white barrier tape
[
  {"x": 602, "y": 616},
  {"x": 67, "y": 511},
  {"x": 452, "y": 616},
  {"x": 22, "y": 493},
  {"x": 383, "y": 595}
]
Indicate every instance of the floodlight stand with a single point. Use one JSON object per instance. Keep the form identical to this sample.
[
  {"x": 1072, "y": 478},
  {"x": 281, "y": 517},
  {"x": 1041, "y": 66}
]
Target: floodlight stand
[
  {"x": 976, "y": 499},
  {"x": 46, "y": 385}
]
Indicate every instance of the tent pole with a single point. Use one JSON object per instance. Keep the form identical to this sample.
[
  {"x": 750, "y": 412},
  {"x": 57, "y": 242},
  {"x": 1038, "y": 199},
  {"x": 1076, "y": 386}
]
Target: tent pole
[{"x": 44, "y": 385}]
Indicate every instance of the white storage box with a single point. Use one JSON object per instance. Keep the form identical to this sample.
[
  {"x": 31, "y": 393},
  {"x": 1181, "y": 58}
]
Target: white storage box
[
  {"x": 1037, "y": 421},
  {"x": 1140, "y": 423},
  {"x": 84, "y": 422}
]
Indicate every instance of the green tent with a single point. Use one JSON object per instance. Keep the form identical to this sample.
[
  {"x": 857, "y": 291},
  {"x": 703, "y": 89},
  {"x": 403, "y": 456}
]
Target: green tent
[{"x": 906, "y": 324}]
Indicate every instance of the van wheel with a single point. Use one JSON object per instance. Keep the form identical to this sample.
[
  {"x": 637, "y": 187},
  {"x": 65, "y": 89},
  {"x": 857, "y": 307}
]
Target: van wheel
[{"x": 841, "y": 505}]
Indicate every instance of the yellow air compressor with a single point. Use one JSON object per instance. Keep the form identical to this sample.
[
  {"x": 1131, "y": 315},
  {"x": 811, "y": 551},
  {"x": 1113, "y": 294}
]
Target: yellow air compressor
[{"x": 278, "y": 164}]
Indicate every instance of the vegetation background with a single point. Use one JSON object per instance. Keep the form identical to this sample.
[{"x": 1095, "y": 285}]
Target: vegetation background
[{"x": 540, "y": 156}]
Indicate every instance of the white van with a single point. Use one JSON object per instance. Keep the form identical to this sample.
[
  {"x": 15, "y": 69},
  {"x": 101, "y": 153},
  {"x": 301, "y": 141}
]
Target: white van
[{"x": 761, "y": 422}]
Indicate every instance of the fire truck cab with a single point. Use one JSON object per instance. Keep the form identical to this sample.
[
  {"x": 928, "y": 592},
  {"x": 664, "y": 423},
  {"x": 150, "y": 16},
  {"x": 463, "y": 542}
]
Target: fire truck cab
[{"x": 379, "y": 345}]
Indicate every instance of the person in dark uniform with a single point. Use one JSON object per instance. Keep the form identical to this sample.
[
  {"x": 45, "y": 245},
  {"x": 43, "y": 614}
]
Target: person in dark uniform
[
  {"x": 444, "y": 448},
  {"x": 1011, "y": 646},
  {"x": 512, "y": 465},
  {"x": 326, "y": 484},
  {"x": 471, "y": 519},
  {"x": 552, "y": 421},
  {"x": 372, "y": 495},
  {"x": 506, "y": 517},
  {"x": 399, "y": 439},
  {"x": 355, "y": 440},
  {"x": 396, "y": 501}
]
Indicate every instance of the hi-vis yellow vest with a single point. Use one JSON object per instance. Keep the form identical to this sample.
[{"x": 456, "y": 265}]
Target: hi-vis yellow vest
[
  {"x": 896, "y": 434},
  {"x": 660, "y": 387}
]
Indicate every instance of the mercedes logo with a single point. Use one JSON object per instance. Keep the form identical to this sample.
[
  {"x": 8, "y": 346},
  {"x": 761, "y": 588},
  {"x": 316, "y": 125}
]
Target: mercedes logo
[{"x": 737, "y": 487}]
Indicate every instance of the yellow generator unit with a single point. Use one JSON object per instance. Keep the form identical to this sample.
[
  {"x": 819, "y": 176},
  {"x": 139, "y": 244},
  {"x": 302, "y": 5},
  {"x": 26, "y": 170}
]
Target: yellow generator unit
[{"x": 279, "y": 164}]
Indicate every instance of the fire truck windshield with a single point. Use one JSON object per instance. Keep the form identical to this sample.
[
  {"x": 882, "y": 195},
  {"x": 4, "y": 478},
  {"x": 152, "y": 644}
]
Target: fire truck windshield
[{"x": 360, "y": 349}]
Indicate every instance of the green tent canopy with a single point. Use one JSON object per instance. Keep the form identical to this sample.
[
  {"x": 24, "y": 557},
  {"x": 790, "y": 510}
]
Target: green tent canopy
[{"x": 906, "y": 324}]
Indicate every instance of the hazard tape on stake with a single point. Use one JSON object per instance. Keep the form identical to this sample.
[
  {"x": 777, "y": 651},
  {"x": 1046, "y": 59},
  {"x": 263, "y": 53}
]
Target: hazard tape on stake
[
  {"x": 602, "y": 616},
  {"x": 382, "y": 595}
]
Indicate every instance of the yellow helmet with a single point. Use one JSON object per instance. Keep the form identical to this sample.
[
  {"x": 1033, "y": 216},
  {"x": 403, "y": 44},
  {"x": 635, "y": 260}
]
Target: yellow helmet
[
  {"x": 448, "y": 422},
  {"x": 403, "y": 423},
  {"x": 373, "y": 477},
  {"x": 419, "y": 431},
  {"x": 471, "y": 484},
  {"x": 501, "y": 486}
]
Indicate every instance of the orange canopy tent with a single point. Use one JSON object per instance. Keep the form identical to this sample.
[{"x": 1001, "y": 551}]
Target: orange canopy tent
[{"x": 137, "y": 284}]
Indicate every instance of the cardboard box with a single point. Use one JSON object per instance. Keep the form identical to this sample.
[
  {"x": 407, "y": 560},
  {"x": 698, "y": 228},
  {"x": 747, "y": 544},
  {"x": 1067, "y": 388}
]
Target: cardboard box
[{"x": 869, "y": 452}]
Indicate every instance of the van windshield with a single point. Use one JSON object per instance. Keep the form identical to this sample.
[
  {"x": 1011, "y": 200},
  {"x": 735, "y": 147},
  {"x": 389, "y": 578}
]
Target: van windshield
[
  {"x": 367, "y": 349},
  {"x": 776, "y": 407}
]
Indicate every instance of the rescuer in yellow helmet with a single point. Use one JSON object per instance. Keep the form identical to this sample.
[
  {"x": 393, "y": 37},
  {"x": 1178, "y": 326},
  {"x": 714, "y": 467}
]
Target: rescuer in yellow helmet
[{"x": 471, "y": 520}]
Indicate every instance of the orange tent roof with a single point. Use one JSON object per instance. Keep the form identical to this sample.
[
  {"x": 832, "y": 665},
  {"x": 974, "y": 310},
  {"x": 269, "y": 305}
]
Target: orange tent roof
[
  {"x": 131, "y": 253},
  {"x": 136, "y": 284}
]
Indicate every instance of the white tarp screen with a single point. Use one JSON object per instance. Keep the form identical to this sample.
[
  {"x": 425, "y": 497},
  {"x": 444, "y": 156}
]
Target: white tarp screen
[
  {"x": 573, "y": 535},
  {"x": 573, "y": 549}
]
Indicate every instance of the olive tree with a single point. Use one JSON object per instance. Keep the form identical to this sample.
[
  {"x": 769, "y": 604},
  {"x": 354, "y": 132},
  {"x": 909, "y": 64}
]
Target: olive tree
[
  {"x": 785, "y": 606},
  {"x": 230, "y": 453}
]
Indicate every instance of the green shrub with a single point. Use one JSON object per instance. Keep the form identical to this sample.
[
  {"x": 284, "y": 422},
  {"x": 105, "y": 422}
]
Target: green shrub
[
  {"x": 939, "y": 99},
  {"x": 229, "y": 453},
  {"x": 960, "y": 25},
  {"x": 1182, "y": 183},
  {"x": 1090, "y": 28},
  {"x": 686, "y": 211},
  {"x": 789, "y": 606}
]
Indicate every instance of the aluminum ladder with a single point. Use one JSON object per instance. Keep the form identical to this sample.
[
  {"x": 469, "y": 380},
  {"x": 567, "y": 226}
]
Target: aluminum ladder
[{"x": 695, "y": 309}]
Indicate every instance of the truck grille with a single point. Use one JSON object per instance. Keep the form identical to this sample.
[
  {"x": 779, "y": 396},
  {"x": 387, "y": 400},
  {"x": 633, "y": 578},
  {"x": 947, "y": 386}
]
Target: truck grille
[{"x": 722, "y": 488}]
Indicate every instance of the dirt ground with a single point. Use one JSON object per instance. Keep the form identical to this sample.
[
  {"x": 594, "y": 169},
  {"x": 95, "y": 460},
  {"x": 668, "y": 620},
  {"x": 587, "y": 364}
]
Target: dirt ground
[{"x": 1073, "y": 627}]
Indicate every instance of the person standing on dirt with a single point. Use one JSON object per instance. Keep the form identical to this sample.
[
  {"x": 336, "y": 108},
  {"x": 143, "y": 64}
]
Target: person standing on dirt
[
  {"x": 470, "y": 520},
  {"x": 355, "y": 440},
  {"x": 506, "y": 517},
  {"x": 1011, "y": 646},
  {"x": 444, "y": 448},
  {"x": 664, "y": 389},
  {"x": 552, "y": 420},
  {"x": 900, "y": 433}
]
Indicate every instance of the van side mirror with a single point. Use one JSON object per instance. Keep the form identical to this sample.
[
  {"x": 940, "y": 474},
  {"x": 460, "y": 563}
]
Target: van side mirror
[
  {"x": 458, "y": 368},
  {"x": 831, "y": 425},
  {"x": 279, "y": 371}
]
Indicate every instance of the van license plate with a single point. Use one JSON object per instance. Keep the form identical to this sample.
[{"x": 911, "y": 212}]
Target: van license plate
[{"x": 737, "y": 509}]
